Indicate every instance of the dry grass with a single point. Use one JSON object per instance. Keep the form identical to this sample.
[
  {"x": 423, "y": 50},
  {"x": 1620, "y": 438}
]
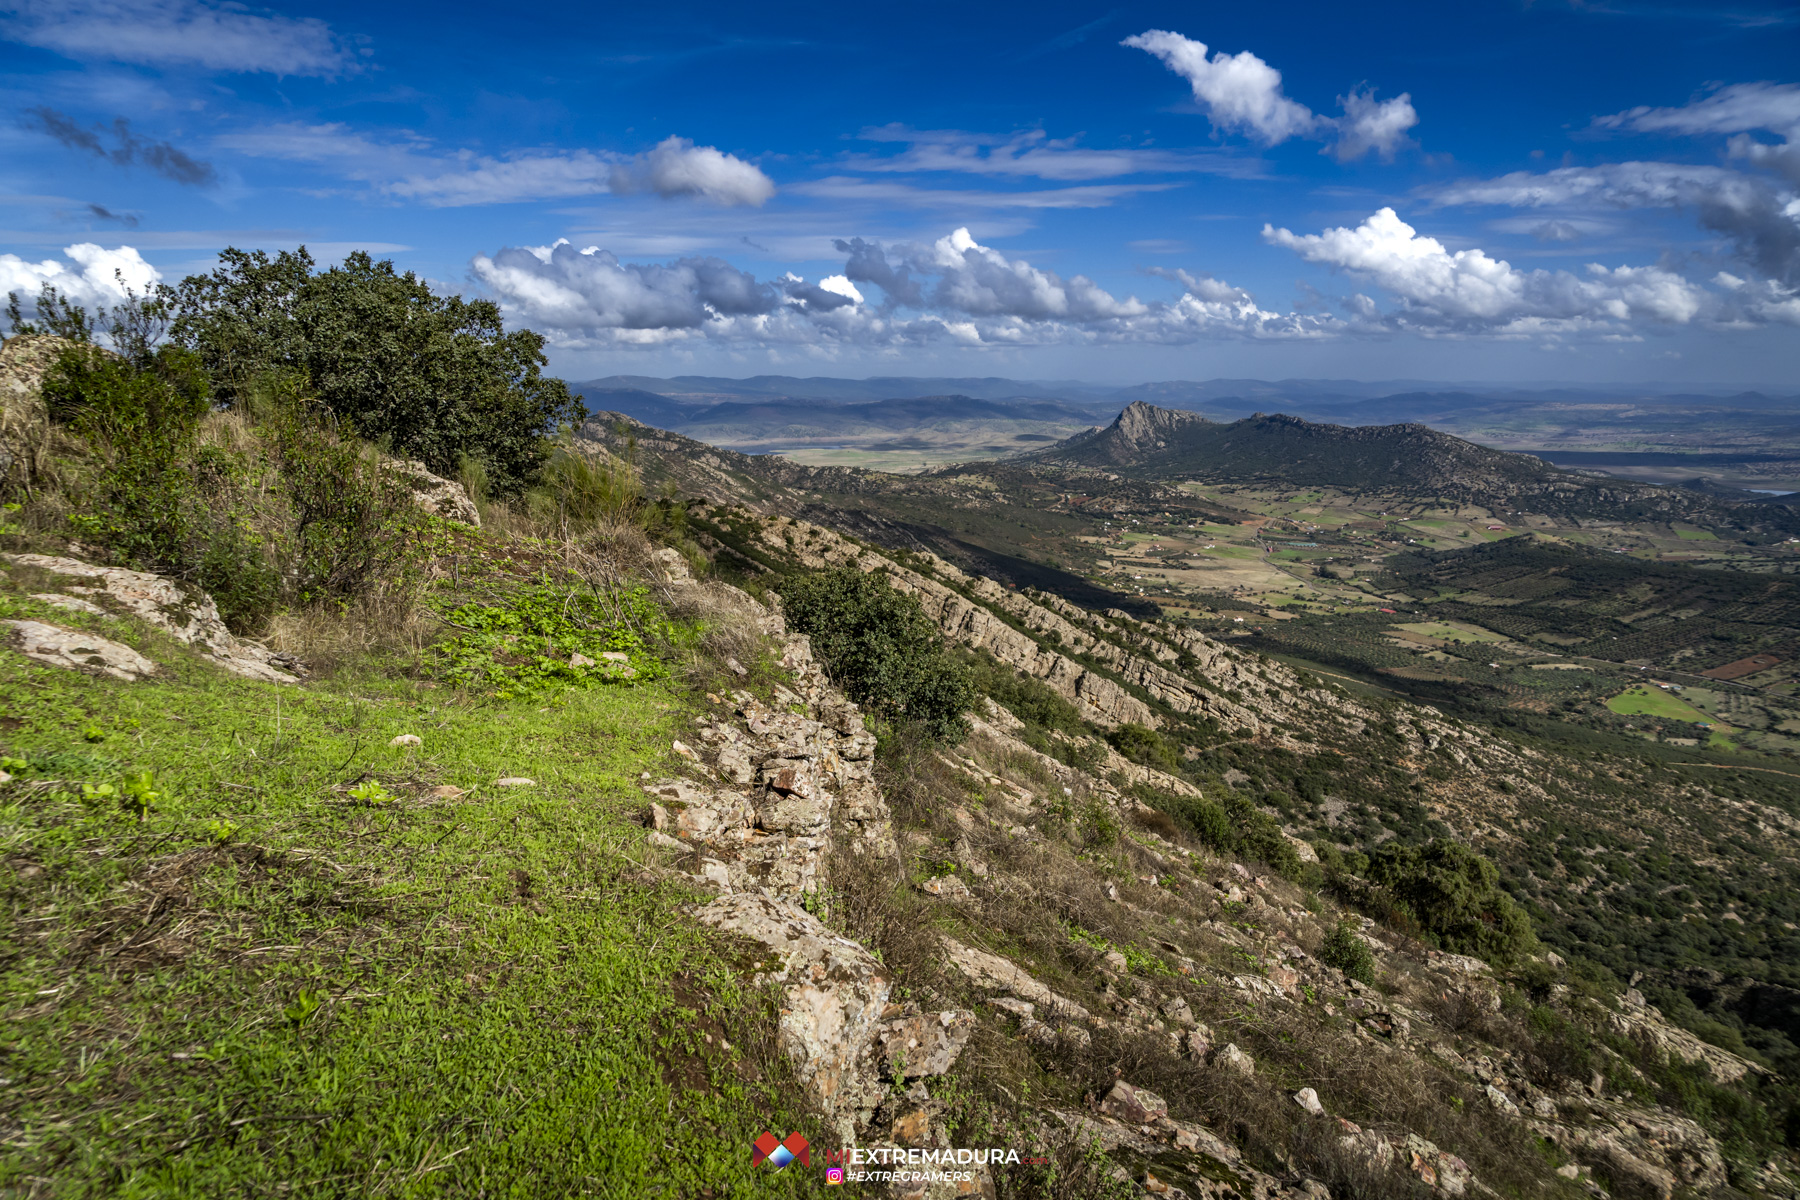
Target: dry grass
[{"x": 329, "y": 638}]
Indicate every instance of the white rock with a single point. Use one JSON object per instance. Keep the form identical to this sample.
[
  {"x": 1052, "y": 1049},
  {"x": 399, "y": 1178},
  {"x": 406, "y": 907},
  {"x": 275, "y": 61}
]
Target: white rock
[
  {"x": 408, "y": 739},
  {"x": 659, "y": 838},
  {"x": 834, "y": 994},
  {"x": 1308, "y": 1099},
  {"x": 77, "y": 651},
  {"x": 580, "y": 660},
  {"x": 1230, "y": 1057},
  {"x": 189, "y": 615},
  {"x": 685, "y": 750},
  {"x": 72, "y": 603},
  {"x": 516, "y": 781}
]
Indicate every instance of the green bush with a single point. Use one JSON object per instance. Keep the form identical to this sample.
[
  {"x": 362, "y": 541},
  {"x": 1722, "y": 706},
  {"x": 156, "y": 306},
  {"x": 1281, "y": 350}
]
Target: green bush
[
  {"x": 1344, "y": 949},
  {"x": 1454, "y": 894},
  {"x": 1145, "y": 746},
  {"x": 432, "y": 377},
  {"x": 352, "y": 523},
  {"x": 157, "y": 500},
  {"x": 881, "y": 648}
]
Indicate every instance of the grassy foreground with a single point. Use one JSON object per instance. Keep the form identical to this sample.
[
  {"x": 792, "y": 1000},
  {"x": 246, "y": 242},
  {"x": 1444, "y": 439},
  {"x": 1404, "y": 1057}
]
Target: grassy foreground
[{"x": 277, "y": 979}]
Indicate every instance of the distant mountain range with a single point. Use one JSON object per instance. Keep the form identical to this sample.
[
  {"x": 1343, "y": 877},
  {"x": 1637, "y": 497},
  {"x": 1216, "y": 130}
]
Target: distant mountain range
[
  {"x": 1402, "y": 460},
  {"x": 1660, "y": 433}
]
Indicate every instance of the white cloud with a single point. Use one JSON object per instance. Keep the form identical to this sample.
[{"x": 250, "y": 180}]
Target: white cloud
[
  {"x": 1755, "y": 302},
  {"x": 677, "y": 167},
  {"x": 1242, "y": 93},
  {"x": 1736, "y": 109},
  {"x": 1469, "y": 291},
  {"x": 1035, "y": 154},
  {"x": 1093, "y": 195},
  {"x": 91, "y": 277},
  {"x": 1762, "y": 222},
  {"x": 1741, "y": 109},
  {"x": 178, "y": 33},
  {"x": 409, "y": 167},
  {"x": 1371, "y": 124},
  {"x": 953, "y": 289}
]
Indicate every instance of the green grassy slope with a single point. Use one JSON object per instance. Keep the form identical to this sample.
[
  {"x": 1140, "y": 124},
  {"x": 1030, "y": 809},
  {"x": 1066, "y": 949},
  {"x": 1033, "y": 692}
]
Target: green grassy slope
[{"x": 273, "y": 984}]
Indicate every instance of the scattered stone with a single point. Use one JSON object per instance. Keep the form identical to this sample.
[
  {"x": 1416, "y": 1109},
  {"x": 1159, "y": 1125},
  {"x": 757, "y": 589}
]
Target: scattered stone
[
  {"x": 1231, "y": 1058},
  {"x": 1198, "y": 1043},
  {"x": 615, "y": 656},
  {"x": 927, "y": 1044},
  {"x": 1014, "y": 1005},
  {"x": 74, "y": 650},
  {"x": 436, "y": 495},
  {"x": 516, "y": 781},
  {"x": 1134, "y": 1105},
  {"x": 948, "y": 886},
  {"x": 686, "y": 751},
  {"x": 1308, "y": 1099},
  {"x": 445, "y": 792},
  {"x": 1568, "y": 1171},
  {"x": 736, "y": 667},
  {"x": 1116, "y": 962},
  {"x": 407, "y": 739},
  {"x": 580, "y": 660},
  {"x": 659, "y": 838},
  {"x": 1501, "y": 1101}
]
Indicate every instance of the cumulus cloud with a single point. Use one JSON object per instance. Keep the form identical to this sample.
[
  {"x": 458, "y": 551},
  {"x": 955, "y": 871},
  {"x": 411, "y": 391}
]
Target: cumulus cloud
[
  {"x": 1374, "y": 125},
  {"x": 1242, "y": 94},
  {"x": 411, "y": 168},
  {"x": 91, "y": 276},
  {"x": 1469, "y": 291},
  {"x": 1762, "y": 222},
  {"x": 127, "y": 148},
  {"x": 178, "y": 33},
  {"x": 677, "y": 167},
  {"x": 954, "y": 289}
]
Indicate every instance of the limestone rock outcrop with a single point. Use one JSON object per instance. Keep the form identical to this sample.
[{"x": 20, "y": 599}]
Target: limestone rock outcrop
[{"x": 188, "y": 614}]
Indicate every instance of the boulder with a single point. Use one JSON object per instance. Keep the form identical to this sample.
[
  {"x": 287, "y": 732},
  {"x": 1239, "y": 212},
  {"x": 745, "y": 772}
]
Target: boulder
[
  {"x": 74, "y": 650},
  {"x": 834, "y": 993},
  {"x": 925, "y": 1044},
  {"x": 436, "y": 495},
  {"x": 189, "y": 615},
  {"x": 1230, "y": 1058},
  {"x": 1134, "y": 1105}
]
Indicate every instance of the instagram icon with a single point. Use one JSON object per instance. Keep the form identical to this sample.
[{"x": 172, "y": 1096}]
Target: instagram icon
[{"x": 834, "y": 1175}]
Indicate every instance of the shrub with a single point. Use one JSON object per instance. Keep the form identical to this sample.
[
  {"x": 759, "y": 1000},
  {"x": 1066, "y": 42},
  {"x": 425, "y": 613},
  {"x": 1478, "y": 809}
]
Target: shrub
[
  {"x": 1345, "y": 949},
  {"x": 881, "y": 648},
  {"x": 353, "y": 524},
  {"x": 1145, "y": 746},
  {"x": 1454, "y": 894},
  {"x": 159, "y": 501},
  {"x": 433, "y": 377}
]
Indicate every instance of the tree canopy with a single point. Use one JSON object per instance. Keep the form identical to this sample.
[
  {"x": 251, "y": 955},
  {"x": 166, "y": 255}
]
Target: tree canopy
[
  {"x": 1455, "y": 895},
  {"x": 431, "y": 377}
]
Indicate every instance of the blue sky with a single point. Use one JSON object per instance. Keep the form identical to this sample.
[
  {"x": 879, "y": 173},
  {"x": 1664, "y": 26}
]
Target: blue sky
[{"x": 1476, "y": 191}]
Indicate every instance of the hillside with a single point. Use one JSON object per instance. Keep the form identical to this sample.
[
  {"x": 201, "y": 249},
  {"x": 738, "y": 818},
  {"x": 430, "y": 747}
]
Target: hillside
[
  {"x": 1410, "y": 461},
  {"x": 603, "y": 827}
]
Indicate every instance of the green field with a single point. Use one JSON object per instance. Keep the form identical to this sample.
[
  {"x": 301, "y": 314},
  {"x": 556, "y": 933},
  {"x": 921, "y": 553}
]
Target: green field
[
  {"x": 1695, "y": 535},
  {"x": 1452, "y": 631},
  {"x": 1646, "y": 701}
]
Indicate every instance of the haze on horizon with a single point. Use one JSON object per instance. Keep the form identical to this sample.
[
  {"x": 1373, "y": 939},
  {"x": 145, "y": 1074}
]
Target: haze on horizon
[{"x": 1499, "y": 192}]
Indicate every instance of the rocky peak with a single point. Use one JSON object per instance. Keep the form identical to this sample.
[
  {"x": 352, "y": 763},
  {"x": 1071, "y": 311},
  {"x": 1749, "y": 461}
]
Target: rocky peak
[{"x": 1144, "y": 426}]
